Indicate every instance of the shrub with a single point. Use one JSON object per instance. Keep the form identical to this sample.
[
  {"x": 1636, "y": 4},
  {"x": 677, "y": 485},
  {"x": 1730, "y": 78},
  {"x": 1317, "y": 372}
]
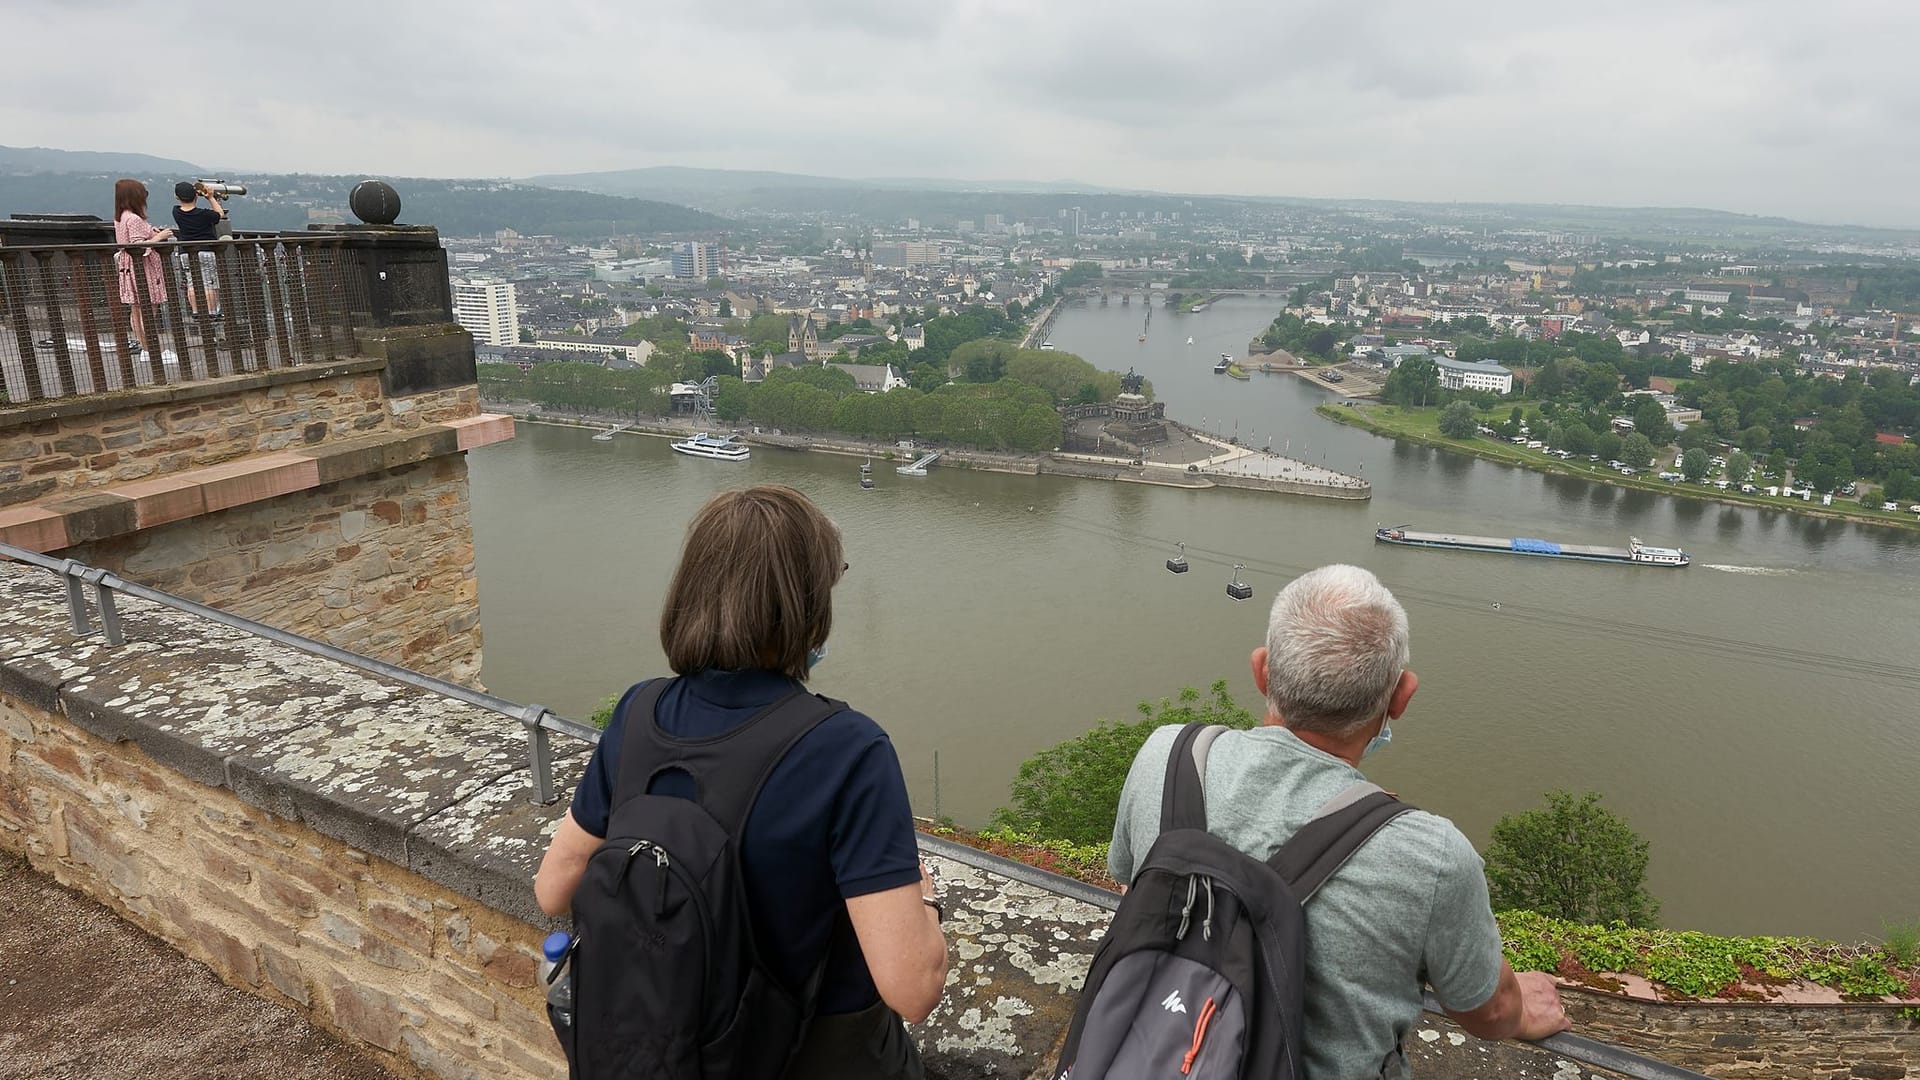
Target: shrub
[
  {"x": 1572, "y": 860},
  {"x": 1457, "y": 421},
  {"x": 1071, "y": 791},
  {"x": 1902, "y": 942},
  {"x": 602, "y": 716}
]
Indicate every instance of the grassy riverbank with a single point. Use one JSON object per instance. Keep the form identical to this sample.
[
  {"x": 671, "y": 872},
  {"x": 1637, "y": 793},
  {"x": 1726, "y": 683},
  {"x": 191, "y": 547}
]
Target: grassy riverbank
[{"x": 1423, "y": 426}]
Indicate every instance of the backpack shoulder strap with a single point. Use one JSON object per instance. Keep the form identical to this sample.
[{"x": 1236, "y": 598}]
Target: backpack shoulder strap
[
  {"x": 634, "y": 720},
  {"x": 1183, "y": 803},
  {"x": 729, "y": 769},
  {"x": 1340, "y": 828}
]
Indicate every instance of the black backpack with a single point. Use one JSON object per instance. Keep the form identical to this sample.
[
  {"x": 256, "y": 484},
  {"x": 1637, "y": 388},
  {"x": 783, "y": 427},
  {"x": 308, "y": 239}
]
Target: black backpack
[
  {"x": 1201, "y": 971},
  {"x": 667, "y": 979}
]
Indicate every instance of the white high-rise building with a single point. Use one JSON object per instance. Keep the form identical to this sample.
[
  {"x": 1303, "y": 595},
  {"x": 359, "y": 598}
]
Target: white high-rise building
[{"x": 488, "y": 310}]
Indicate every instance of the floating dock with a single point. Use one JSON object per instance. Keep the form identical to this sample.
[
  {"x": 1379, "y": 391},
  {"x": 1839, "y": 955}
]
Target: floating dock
[{"x": 1635, "y": 553}]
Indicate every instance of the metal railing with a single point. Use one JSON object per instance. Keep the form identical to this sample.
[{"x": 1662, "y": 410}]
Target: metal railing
[
  {"x": 538, "y": 721},
  {"x": 78, "y": 319}
]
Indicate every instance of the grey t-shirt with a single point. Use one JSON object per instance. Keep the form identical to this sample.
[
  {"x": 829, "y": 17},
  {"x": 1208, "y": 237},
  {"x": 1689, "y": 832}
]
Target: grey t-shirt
[{"x": 1410, "y": 906}]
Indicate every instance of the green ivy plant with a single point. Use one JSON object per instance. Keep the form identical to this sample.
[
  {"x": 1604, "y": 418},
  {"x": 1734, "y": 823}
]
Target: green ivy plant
[{"x": 1692, "y": 964}]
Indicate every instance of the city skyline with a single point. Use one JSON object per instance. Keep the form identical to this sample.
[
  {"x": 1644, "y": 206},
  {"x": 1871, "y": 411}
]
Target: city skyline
[{"x": 1752, "y": 108}]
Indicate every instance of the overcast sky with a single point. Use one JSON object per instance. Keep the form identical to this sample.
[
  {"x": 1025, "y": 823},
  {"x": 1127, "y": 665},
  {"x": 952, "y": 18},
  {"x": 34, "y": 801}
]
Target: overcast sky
[{"x": 1761, "y": 106}]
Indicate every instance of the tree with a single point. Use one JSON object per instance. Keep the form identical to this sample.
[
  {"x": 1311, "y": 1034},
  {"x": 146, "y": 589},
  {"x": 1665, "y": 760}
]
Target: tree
[
  {"x": 1415, "y": 382},
  {"x": 1071, "y": 791},
  {"x": 1636, "y": 450},
  {"x": 1738, "y": 466},
  {"x": 526, "y": 335},
  {"x": 1573, "y": 860},
  {"x": 1457, "y": 421},
  {"x": 1694, "y": 464},
  {"x": 716, "y": 282},
  {"x": 656, "y": 292},
  {"x": 1607, "y": 445},
  {"x": 1650, "y": 419}
]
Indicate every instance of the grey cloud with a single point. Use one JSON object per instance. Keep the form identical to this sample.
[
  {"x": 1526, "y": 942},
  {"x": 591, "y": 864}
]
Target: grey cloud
[{"x": 1755, "y": 105}]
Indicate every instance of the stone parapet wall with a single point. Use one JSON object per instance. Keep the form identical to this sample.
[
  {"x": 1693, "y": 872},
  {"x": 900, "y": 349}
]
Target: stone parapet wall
[
  {"x": 1756, "y": 1039},
  {"x": 331, "y": 841},
  {"x": 79, "y": 445},
  {"x": 363, "y": 850},
  {"x": 381, "y": 564}
]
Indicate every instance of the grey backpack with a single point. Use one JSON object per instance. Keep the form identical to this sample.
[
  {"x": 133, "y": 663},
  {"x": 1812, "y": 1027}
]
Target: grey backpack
[{"x": 1201, "y": 972}]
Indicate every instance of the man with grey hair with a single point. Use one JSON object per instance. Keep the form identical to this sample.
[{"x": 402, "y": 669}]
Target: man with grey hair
[{"x": 1410, "y": 907}]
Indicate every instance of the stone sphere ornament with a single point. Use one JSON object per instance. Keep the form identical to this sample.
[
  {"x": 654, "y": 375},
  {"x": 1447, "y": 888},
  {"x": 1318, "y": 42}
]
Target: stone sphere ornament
[{"x": 375, "y": 202}]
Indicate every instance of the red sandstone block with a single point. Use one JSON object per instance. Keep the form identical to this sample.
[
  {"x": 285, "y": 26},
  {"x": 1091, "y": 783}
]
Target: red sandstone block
[
  {"x": 34, "y": 528},
  {"x": 483, "y": 430},
  {"x": 163, "y": 499},
  {"x": 287, "y": 894},
  {"x": 403, "y": 924},
  {"x": 255, "y": 479}
]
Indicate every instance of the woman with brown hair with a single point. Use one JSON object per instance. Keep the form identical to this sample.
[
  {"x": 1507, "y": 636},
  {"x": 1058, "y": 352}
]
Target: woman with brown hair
[
  {"x": 130, "y": 227},
  {"x": 832, "y": 881}
]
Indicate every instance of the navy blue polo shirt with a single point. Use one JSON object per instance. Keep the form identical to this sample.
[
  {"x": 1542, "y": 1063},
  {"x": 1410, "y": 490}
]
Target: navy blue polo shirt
[{"x": 831, "y": 822}]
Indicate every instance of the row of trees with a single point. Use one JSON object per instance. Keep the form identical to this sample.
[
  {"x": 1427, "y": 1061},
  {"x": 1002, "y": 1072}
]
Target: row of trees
[
  {"x": 999, "y": 397},
  {"x": 1291, "y": 333},
  {"x": 1005, "y": 415}
]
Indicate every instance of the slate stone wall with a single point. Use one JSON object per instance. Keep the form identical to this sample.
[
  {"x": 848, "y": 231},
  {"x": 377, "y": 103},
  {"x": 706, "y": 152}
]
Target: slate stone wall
[
  {"x": 1796, "y": 1042},
  {"x": 74, "y": 446},
  {"x": 381, "y": 564}
]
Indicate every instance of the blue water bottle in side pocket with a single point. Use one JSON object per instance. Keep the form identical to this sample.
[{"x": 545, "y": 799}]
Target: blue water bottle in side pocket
[{"x": 557, "y": 973}]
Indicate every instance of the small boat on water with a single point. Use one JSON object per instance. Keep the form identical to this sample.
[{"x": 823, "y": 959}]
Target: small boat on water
[
  {"x": 1189, "y": 341},
  {"x": 1235, "y": 371},
  {"x": 1635, "y": 553},
  {"x": 721, "y": 447},
  {"x": 1225, "y": 363}
]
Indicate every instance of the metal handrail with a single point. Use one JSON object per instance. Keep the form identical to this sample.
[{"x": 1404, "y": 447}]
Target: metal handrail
[{"x": 538, "y": 720}]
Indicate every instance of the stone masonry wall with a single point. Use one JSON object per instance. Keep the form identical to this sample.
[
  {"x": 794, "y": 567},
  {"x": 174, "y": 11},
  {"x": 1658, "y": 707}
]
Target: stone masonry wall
[
  {"x": 275, "y": 816},
  {"x": 71, "y": 447},
  {"x": 1793, "y": 1042},
  {"x": 379, "y": 564}
]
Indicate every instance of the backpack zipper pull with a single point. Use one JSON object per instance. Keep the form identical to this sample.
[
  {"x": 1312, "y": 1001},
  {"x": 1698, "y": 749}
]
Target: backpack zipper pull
[
  {"x": 660, "y": 867},
  {"x": 1199, "y": 1035},
  {"x": 1206, "y": 924},
  {"x": 1186, "y": 913}
]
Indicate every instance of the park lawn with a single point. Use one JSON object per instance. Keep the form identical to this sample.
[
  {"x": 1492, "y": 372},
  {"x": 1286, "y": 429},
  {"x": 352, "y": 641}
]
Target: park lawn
[{"x": 1422, "y": 425}]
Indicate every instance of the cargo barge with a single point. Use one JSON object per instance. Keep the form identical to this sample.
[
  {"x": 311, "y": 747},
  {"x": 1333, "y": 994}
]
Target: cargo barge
[{"x": 1635, "y": 553}]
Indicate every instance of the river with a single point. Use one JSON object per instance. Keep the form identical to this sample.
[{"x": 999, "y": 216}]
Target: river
[{"x": 1753, "y": 716}]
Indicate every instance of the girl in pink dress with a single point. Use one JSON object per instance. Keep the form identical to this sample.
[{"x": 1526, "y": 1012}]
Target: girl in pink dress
[{"x": 130, "y": 227}]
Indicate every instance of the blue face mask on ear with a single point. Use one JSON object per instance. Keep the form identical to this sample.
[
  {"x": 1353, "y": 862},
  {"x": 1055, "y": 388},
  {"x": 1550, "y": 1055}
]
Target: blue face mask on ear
[
  {"x": 1380, "y": 740},
  {"x": 814, "y": 656}
]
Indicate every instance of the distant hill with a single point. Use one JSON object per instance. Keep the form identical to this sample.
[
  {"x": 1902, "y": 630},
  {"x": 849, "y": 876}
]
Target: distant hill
[
  {"x": 41, "y": 159},
  {"x": 455, "y": 207}
]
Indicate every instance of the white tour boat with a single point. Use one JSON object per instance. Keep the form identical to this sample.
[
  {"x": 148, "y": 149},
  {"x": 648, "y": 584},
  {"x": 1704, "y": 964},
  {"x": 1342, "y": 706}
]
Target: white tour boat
[{"x": 712, "y": 446}]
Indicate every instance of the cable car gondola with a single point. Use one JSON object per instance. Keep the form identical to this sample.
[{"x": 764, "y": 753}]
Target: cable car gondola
[
  {"x": 1237, "y": 589},
  {"x": 1178, "y": 564}
]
